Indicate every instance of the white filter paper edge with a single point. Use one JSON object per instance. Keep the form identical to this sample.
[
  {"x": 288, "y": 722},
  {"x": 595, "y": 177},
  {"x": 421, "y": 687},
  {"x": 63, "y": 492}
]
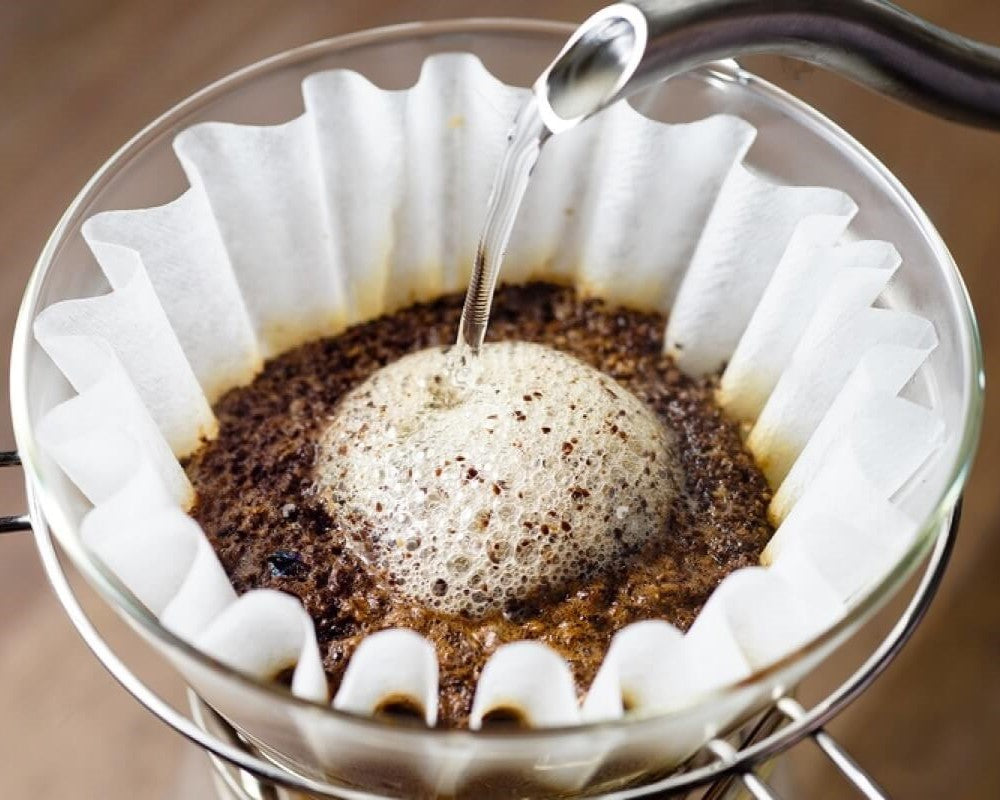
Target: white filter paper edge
[{"x": 202, "y": 291}]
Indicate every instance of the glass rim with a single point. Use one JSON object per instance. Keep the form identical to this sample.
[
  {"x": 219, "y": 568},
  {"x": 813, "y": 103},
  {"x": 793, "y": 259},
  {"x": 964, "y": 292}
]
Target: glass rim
[{"x": 114, "y": 592}]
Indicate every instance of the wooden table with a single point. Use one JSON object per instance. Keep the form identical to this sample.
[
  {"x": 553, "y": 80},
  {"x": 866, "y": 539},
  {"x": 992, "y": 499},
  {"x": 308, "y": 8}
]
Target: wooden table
[{"x": 77, "y": 77}]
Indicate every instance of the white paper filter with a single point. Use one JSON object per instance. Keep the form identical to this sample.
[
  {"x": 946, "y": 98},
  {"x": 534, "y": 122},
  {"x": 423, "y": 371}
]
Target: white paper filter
[{"x": 373, "y": 199}]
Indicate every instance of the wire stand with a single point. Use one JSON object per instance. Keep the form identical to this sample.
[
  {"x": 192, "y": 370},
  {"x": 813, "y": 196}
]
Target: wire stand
[{"x": 787, "y": 722}]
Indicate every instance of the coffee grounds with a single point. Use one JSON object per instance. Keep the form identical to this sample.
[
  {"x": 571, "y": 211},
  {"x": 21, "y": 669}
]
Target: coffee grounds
[{"x": 257, "y": 504}]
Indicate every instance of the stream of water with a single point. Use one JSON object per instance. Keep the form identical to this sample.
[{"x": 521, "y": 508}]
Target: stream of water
[{"x": 524, "y": 144}]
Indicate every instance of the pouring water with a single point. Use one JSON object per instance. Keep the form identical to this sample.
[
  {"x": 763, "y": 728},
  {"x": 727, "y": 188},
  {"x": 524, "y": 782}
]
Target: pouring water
[{"x": 627, "y": 47}]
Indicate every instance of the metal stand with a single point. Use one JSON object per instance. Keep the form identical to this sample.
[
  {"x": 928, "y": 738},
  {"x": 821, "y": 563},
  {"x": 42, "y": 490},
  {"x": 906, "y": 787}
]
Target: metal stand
[
  {"x": 18, "y": 522},
  {"x": 783, "y": 726}
]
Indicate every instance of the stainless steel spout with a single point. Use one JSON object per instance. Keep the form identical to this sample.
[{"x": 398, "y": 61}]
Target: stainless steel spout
[{"x": 626, "y": 47}]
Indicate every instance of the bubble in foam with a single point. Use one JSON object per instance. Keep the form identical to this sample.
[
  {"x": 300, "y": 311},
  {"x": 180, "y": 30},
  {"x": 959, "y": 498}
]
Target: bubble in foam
[{"x": 530, "y": 472}]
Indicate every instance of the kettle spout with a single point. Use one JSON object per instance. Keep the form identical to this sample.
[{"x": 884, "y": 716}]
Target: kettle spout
[
  {"x": 593, "y": 68},
  {"x": 629, "y": 46}
]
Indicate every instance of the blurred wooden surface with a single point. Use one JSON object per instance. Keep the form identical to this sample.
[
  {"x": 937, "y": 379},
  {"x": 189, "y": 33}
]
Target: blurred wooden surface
[{"x": 77, "y": 77}]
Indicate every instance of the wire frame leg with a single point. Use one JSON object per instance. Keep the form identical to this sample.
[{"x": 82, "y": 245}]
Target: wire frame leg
[
  {"x": 15, "y": 524},
  {"x": 18, "y": 522},
  {"x": 848, "y": 767},
  {"x": 752, "y": 782}
]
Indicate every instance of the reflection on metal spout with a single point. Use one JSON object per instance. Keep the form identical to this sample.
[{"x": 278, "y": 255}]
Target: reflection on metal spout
[
  {"x": 593, "y": 68},
  {"x": 586, "y": 76}
]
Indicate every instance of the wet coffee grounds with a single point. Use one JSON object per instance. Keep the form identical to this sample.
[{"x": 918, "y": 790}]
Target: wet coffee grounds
[{"x": 257, "y": 504}]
